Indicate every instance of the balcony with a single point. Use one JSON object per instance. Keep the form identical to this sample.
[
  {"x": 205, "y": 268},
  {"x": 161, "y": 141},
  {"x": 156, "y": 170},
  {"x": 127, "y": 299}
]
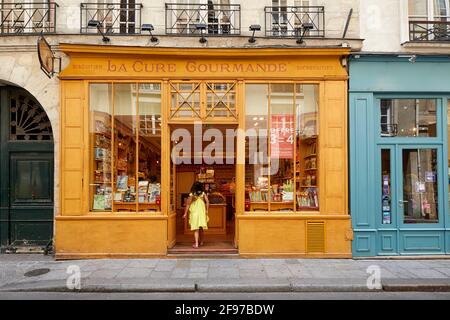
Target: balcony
[
  {"x": 27, "y": 18},
  {"x": 290, "y": 21},
  {"x": 181, "y": 19},
  {"x": 115, "y": 18},
  {"x": 429, "y": 30}
]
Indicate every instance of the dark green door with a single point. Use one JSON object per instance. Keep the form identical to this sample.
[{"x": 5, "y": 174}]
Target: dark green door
[{"x": 26, "y": 172}]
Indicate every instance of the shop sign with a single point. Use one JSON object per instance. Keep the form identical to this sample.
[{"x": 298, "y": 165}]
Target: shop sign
[
  {"x": 282, "y": 136},
  {"x": 46, "y": 57}
]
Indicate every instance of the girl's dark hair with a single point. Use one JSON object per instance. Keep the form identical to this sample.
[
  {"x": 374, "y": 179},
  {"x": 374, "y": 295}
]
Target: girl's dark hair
[{"x": 197, "y": 188}]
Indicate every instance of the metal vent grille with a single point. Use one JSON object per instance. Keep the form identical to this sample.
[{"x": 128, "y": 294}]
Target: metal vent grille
[{"x": 315, "y": 236}]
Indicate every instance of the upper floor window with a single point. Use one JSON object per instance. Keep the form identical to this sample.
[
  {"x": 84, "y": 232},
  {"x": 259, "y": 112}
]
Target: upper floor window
[
  {"x": 122, "y": 17},
  {"x": 429, "y": 20},
  {"x": 27, "y": 17},
  {"x": 219, "y": 17},
  {"x": 294, "y": 18}
]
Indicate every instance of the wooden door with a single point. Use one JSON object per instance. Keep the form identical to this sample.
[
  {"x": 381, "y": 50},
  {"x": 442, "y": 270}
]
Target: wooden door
[{"x": 26, "y": 171}]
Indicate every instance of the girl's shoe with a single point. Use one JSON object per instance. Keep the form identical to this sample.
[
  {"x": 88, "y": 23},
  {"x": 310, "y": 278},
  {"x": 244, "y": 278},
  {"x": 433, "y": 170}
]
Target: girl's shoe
[{"x": 195, "y": 246}]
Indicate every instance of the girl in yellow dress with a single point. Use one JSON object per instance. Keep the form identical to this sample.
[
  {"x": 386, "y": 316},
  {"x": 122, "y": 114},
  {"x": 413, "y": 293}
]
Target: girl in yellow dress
[{"x": 197, "y": 204}]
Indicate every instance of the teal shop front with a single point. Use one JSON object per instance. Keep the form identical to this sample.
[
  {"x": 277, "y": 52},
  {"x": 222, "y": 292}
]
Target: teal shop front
[{"x": 399, "y": 162}]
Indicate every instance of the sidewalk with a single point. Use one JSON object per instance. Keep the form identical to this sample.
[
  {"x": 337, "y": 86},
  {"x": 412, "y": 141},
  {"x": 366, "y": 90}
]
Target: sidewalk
[{"x": 222, "y": 275}]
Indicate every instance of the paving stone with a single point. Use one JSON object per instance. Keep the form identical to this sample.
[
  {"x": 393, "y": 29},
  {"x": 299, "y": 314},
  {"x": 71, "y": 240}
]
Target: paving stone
[
  {"x": 160, "y": 274},
  {"x": 148, "y": 263},
  {"x": 291, "y": 261},
  {"x": 196, "y": 275},
  {"x": 198, "y": 269},
  {"x": 116, "y": 264},
  {"x": 134, "y": 273},
  {"x": 445, "y": 271},
  {"x": 400, "y": 272},
  {"x": 179, "y": 274},
  {"x": 105, "y": 273},
  {"x": 299, "y": 271},
  {"x": 250, "y": 264},
  {"x": 198, "y": 263},
  {"x": 165, "y": 266},
  {"x": 278, "y": 272},
  {"x": 223, "y": 263},
  {"x": 252, "y": 274},
  {"x": 183, "y": 263},
  {"x": 271, "y": 262},
  {"x": 428, "y": 273}
]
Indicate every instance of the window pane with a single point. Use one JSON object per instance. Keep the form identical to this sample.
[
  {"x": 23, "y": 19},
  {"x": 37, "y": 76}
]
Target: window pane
[
  {"x": 386, "y": 197},
  {"x": 307, "y": 177},
  {"x": 408, "y": 117},
  {"x": 149, "y": 174},
  {"x": 282, "y": 147},
  {"x": 100, "y": 130},
  {"x": 124, "y": 151},
  {"x": 420, "y": 191},
  {"x": 417, "y": 8},
  {"x": 220, "y": 99},
  {"x": 185, "y": 97},
  {"x": 256, "y": 144},
  {"x": 441, "y": 9}
]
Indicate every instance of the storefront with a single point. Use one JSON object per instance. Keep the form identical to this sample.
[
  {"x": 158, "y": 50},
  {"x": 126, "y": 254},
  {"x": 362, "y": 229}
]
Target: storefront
[
  {"x": 399, "y": 154},
  {"x": 272, "y": 125}
]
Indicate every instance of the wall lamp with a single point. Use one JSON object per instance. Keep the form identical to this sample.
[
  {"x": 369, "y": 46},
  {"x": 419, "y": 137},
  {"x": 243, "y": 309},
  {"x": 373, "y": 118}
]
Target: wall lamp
[
  {"x": 411, "y": 58},
  {"x": 305, "y": 27},
  {"x": 96, "y": 24},
  {"x": 254, "y": 28},
  {"x": 149, "y": 27},
  {"x": 201, "y": 27}
]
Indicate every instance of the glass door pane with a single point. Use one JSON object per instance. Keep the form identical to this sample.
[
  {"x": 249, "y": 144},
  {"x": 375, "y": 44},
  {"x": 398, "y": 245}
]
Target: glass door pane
[
  {"x": 386, "y": 187},
  {"x": 420, "y": 186}
]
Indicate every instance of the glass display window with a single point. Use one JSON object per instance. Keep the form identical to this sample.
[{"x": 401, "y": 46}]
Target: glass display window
[
  {"x": 281, "y": 168},
  {"x": 125, "y": 152}
]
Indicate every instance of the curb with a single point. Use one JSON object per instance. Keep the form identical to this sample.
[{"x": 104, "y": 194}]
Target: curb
[{"x": 229, "y": 286}]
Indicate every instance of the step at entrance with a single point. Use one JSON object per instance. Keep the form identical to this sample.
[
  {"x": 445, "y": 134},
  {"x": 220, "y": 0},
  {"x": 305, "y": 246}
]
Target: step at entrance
[{"x": 213, "y": 248}]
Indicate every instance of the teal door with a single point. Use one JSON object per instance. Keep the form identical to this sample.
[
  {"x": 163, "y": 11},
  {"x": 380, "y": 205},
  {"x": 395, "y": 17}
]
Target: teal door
[
  {"x": 26, "y": 172},
  {"x": 411, "y": 199}
]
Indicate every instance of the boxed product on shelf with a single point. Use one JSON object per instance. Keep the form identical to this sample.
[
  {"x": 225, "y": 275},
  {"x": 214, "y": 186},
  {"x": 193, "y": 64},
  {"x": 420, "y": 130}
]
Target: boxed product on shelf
[
  {"x": 100, "y": 126},
  {"x": 122, "y": 183},
  {"x": 99, "y": 202},
  {"x": 154, "y": 191},
  {"x": 143, "y": 186}
]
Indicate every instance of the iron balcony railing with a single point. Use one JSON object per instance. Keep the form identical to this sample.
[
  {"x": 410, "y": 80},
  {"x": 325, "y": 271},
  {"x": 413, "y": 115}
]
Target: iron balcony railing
[
  {"x": 27, "y": 18},
  {"x": 116, "y": 18},
  {"x": 290, "y": 21},
  {"x": 220, "y": 19},
  {"x": 429, "y": 30}
]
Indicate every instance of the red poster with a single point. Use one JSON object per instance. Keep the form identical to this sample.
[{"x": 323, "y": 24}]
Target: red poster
[{"x": 282, "y": 136}]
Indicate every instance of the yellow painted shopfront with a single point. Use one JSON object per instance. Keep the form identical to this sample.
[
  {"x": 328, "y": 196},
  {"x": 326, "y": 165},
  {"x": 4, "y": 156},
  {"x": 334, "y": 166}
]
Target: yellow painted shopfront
[{"x": 263, "y": 129}]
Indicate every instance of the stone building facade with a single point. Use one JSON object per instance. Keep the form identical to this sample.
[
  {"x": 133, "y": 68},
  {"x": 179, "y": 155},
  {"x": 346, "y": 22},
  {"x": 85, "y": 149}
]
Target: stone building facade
[{"x": 66, "y": 22}]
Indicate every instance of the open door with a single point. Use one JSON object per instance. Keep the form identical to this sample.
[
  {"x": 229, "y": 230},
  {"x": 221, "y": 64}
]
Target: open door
[{"x": 172, "y": 219}]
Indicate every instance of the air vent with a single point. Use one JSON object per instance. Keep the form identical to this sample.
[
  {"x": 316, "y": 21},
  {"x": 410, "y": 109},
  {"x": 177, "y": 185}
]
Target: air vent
[{"x": 315, "y": 236}]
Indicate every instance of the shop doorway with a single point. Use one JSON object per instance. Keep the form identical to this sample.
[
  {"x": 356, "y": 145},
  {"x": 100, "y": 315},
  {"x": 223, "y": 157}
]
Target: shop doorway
[
  {"x": 412, "y": 201},
  {"x": 205, "y": 154},
  {"x": 26, "y": 172}
]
